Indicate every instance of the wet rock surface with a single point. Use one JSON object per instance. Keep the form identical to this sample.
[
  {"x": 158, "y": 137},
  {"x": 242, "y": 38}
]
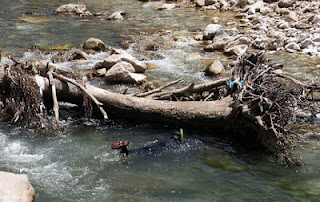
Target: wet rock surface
[
  {"x": 215, "y": 68},
  {"x": 93, "y": 44},
  {"x": 76, "y": 9},
  {"x": 118, "y": 55},
  {"x": 123, "y": 72},
  {"x": 117, "y": 15},
  {"x": 15, "y": 187}
]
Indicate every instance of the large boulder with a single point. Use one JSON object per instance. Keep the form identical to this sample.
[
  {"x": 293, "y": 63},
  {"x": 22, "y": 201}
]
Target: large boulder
[
  {"x": 15, "y": 187},
  {"x": 212, "y": 30},
  {"x": 123, "y": 72},
  {"x": 121, "y": 55},
  {"x": 93, "y": 44},
  {"x": 215, "y": 68}
]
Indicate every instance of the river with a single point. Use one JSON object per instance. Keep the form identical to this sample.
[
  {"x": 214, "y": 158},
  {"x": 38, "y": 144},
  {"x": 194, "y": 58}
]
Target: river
[{"x": 78, "y": 164}]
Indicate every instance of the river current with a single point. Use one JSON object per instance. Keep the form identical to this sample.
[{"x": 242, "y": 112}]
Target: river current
[{"x": 78, "y": 164}]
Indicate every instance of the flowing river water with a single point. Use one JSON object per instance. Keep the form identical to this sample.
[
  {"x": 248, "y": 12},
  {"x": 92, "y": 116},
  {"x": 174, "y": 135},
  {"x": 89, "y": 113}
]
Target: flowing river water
[{"x": 78, "y": 164}]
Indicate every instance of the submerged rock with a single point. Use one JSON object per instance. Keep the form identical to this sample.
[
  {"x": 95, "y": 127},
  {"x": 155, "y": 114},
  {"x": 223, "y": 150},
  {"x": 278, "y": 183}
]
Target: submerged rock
[
  {"x": 166, "y": 6},
  {"x": 35, "y": 20},
  {"x": 94, "y": 44},
  {"x": 118, "y": 15},
  {"x": 15, "y": 187},
  {"x": 215, "y": 68}
]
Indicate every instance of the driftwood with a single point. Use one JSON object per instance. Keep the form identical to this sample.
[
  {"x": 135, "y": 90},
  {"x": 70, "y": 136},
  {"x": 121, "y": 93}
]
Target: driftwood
[
  {"x": 158, "y": 89},
  {"x": 54, "y": 97},
  {"x": 99, "y": 104},
  {"x": 215, "y": 112},
  {"x": 189, "y": 89},
  {"x": 256, "y": 104}
]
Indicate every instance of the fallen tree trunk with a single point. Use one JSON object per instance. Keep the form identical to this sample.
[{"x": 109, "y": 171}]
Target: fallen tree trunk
[{"x": 214, "y": 113}]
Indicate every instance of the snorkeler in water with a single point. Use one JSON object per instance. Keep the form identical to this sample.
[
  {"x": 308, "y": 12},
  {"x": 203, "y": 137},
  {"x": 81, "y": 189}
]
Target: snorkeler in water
[{"x": 156, "y": 148}]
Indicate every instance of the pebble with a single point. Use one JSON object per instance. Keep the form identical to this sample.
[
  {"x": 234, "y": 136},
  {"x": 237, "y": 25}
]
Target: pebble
[
  {"x": 306, "y": 43},
  {"x": 292, "y": 47},
  {"x": 283, "y": 25}
]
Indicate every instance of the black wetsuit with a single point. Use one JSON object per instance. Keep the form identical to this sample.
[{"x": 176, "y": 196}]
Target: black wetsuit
[{"x": 161, "y": 146}]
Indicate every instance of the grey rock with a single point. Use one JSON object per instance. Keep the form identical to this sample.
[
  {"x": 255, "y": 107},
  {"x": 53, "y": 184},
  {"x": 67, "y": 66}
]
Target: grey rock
[
  {"x": 166, "y": 6},
  {"x": 199, "y": 3},
  {"x": 211, "y": 30},
  {"x": 121, "y": 55},
  {"x": 292, "y": 17},
  {"x": 15, "y": 187},
  {"x": 284, "y": 11},
  {"x": 292, "y": 47},
  {"x": 215, "y": 68},
  {"x": 252, "y": 9},
  {"x": 219, "y": 45},
  {"x": 306, "y": 43},
  {"x": 208, "y": 48},
  {"x": 302, "y": 26},
  {"x": 286, "y": 3},
  {"x": 315, "y": 19},
  {"x": 94, "y": 44},
  {"x": 316, "y": 38},
  {"x": 283, "y": 25},
  {"x": 118, "y": 15},
  {"x": 302, "y": 37},
  {"x": 237, "y": 50},
  {"x": 238, "y": 41},
  {"x": 209, "y": 2},
  {"x": 71, "y": 8},
  {"x": 265, "y": 10},
  {"x": 77, "y": 55},
  {"x": 123, "y": 72}
]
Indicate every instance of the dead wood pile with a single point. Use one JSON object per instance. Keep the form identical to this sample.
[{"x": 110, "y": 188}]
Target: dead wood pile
[{"x": 258, "y": 102}]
